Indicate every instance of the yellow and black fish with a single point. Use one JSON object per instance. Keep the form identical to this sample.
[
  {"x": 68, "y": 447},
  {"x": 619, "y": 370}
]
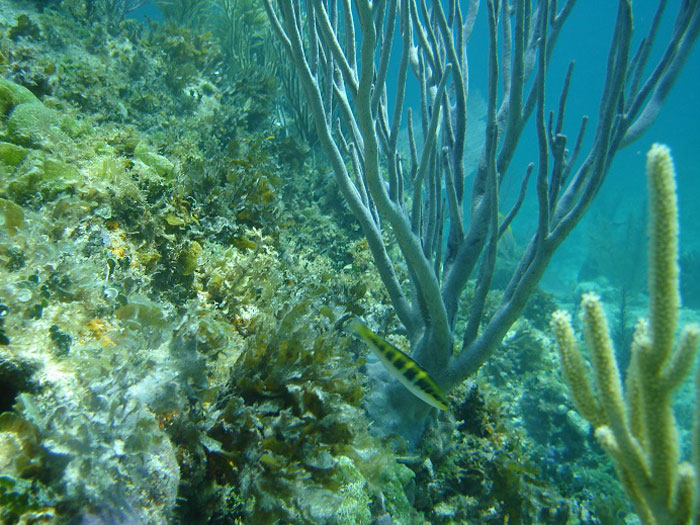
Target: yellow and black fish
[{"x": 405, "y": 369}]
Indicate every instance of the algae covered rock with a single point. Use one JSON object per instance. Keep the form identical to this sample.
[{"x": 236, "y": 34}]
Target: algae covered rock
[
  {"x": 30, "y": 123},
  {"x": 107, "y": 453},
  {"x": 12, "y": 94},
  {"x": 395, "y": 481},
  {"x": 11, "y": 154},
  {"x": 356, "y": 501},
  {"x": 43, "y": 175},
  {"x": 159, "y": 163},
  {"x": 11, "y": 216},
  {"x": 18, "y": 444}
]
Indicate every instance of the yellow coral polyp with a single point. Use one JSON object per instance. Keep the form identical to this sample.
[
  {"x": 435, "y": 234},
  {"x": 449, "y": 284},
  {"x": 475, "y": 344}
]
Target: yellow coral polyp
[
  {"x": 117, "y": 246},
  {"x": 97, "y": 329}
]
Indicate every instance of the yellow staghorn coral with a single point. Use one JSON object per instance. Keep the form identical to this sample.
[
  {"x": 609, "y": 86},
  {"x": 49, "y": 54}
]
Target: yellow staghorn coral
[{"x": 636, "y": 426}]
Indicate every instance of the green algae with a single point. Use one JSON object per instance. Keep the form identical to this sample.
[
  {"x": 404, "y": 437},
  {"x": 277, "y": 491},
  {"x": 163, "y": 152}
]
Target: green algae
[
  {"x": 30, "y": 124},
  {"x": 12, "y": 94},
  {"x": 162, "y": 166},
  {"x": 11, "y": 155},
  {"x": 11, "y": 216},
  {"x": 41, "y": 174}
]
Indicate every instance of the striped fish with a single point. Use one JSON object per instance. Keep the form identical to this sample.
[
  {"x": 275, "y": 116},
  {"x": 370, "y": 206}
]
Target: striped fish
[{"x": 401, "y": 366}]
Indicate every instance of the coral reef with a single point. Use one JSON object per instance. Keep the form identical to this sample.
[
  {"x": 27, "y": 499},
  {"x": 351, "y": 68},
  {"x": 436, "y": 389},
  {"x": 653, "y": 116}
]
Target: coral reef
[
  {"x": 144, "y": 327},
  {"x": 292, "y": 431},
  {"x": 175, "y": 268}
]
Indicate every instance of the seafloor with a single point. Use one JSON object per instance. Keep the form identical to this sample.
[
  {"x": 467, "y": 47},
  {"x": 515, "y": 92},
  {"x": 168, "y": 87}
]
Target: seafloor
[{"x": 174, "y": 259}]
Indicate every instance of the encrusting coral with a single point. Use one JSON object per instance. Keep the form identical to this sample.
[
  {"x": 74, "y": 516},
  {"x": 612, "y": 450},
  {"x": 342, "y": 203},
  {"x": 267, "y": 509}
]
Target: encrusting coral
[{"x": 636, "y": 426}]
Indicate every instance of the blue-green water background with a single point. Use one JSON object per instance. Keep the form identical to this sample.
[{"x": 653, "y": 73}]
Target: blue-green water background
[{"x": 585, "y": 39}]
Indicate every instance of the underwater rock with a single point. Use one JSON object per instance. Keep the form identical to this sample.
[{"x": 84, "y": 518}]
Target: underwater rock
[
  {"x": 108, "y": 455},
  {"x": 42, "y": 175},
  {"x": 11, "y": 154},
  {"x": 24, "y": 28},
  {"x": 140, "y": 315},
  {"x": 15, "y": 377},
  {"x": 12, "y": 94},
  {"x": 19, "y": 443},
  {"x": 355, "y": 505},
  {"x": 318, "y": 505},
  {"x": 397, "y": 481},
  {"x": 159, "y": 163},
  {"x": 11, "y": 216},
  {"x": 30, "y": 123}
]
